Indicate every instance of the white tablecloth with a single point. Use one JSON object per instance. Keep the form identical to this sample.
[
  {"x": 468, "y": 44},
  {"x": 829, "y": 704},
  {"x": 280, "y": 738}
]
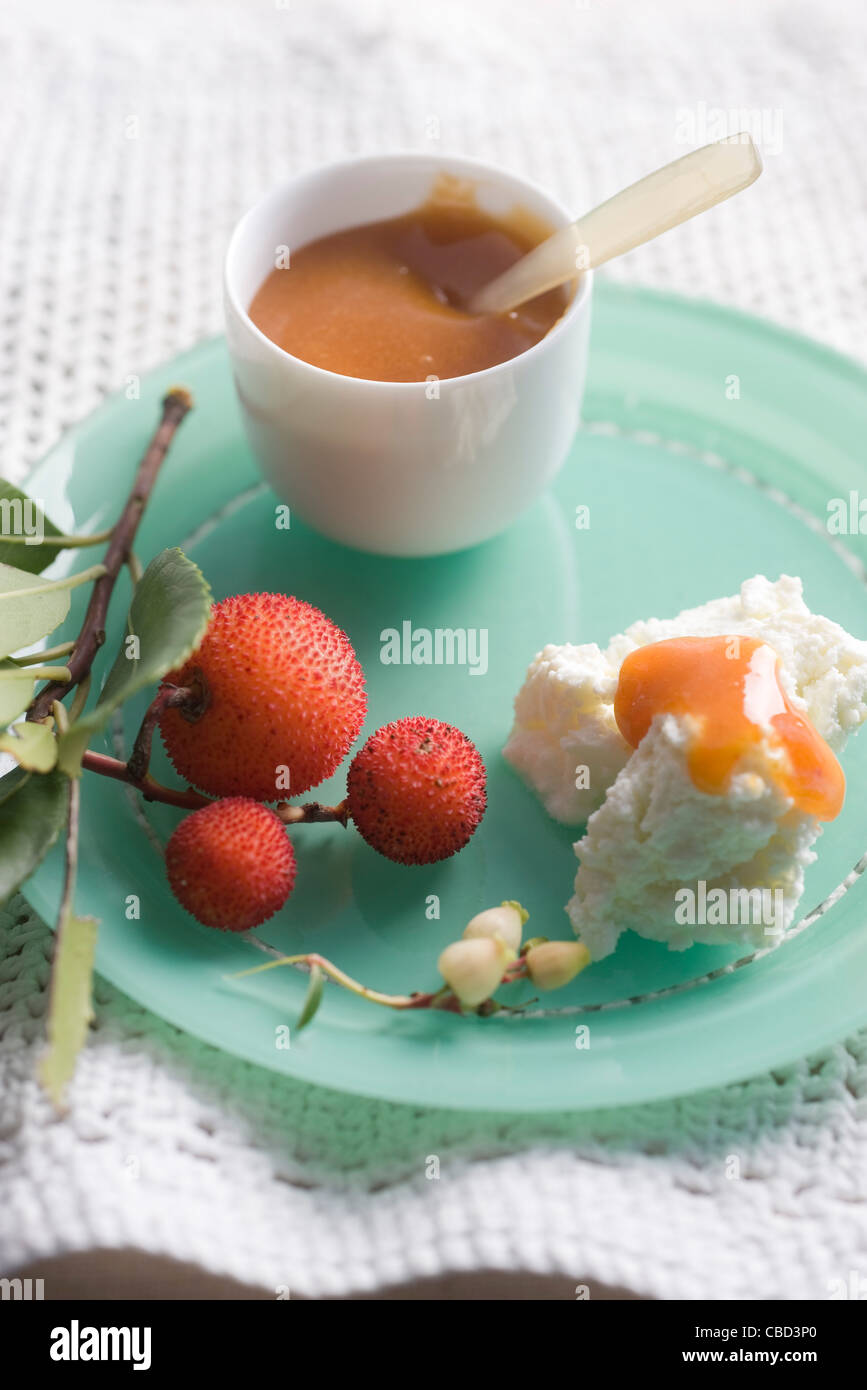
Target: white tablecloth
[{"x": 131, "y": 137}]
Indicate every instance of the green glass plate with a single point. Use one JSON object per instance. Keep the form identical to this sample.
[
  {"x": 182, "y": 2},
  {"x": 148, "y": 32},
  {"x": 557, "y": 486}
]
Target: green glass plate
[{"x": 712, "y": 446}]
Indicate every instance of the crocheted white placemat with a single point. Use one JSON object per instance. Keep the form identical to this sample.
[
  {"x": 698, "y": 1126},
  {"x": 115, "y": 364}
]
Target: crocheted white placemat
[{"x": 131, "y": 137}]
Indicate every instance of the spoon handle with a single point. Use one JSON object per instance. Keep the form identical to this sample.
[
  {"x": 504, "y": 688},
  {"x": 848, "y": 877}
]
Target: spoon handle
[{"x": 639, "y": 213}]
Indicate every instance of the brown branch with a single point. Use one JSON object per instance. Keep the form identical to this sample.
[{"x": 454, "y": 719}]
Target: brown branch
[
  {"x": 176, "y": 405},
  {"x": 311, "y": 813},
  {"x": 167, "y": 697},
  {"x": 151, "y": 790},
  {"x": 190, "y": 800}
]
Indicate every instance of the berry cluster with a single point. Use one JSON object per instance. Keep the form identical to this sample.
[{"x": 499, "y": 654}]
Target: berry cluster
[{"x": 278, "y": 700}]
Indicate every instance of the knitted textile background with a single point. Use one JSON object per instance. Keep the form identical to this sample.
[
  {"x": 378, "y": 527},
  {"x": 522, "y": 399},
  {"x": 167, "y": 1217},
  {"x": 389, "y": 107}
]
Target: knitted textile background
[{"x": 131, "y": 137}]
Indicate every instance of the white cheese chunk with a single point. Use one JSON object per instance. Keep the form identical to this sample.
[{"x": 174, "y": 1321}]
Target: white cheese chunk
[
  {"x": 659, "y": 855},
  {"x": 565, "y": 742},
  {"x": 656, "y": 835}
]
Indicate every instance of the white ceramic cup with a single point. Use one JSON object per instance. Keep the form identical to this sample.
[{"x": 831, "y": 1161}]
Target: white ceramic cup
[{"x": 399, "y": 468}]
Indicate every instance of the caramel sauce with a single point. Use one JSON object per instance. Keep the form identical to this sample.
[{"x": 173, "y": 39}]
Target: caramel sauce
[
  {"x": 731, "y": 688},
  {"x": 385, "y": 300}
]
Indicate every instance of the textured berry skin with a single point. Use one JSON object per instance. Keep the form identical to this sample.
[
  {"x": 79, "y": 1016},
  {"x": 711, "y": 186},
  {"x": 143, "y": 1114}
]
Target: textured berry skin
[
  {"x": 284, "y": 689},
  {"x": 416, "y": 790},
  {"x": 231, "y": 864}
]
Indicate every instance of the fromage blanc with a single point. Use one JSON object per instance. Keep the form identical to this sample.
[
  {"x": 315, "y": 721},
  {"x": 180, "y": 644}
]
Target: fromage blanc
[
  {"x": 700, "y": 750},
  {"x": 728, "y": 691}
]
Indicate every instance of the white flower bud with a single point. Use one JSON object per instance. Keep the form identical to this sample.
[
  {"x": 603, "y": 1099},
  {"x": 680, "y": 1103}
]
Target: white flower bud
[
  {"x": 555, "y": 963},
  {"x": 506, "y": 922},
  {"x": 473, "y": 969}
]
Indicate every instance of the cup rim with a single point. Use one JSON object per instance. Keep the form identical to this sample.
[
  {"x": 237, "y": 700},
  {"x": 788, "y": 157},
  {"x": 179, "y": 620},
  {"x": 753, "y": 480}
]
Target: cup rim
[{"x": 470, "y": 166}]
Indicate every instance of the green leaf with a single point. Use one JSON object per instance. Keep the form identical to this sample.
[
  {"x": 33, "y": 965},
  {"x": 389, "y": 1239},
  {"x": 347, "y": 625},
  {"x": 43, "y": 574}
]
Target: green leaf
[
  {"x": 19, "y": 515},
  {"x": 16, "y": 691},
  {"x": 24, "y": 619},
  {"x": 170, "y": 611},
  {"x": 312, "y": 999},
  {"x": 12, "y": 783},
  {"x": 71, "y": 1006},
  {"x": 169, "y": 614},
  {"x": 31, "y": 818},
  {"x": 31, "y": 745}
]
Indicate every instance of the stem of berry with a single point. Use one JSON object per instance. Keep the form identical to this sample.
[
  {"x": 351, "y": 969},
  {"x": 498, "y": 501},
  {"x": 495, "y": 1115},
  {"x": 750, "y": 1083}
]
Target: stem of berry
[
  {"x": 167, "y": 697},
  {"x": 443, "y": 998},
  {"x": 151, "y": 790},
  {"x": 176, "y": 404},
  {"x": 312, "y": 812},
  {"x": 190, "y": 800},
  {"x": 374, "y": 996}
]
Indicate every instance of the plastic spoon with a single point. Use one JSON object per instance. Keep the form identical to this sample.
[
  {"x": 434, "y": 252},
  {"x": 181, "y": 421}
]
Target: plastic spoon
[{"x": 642, "y": 211}]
